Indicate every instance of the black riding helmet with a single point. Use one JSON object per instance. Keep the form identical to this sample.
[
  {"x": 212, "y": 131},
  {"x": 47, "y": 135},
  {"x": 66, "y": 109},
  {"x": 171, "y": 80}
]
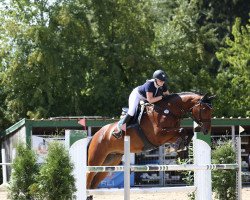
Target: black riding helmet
[{"x": 159, "y": 74}]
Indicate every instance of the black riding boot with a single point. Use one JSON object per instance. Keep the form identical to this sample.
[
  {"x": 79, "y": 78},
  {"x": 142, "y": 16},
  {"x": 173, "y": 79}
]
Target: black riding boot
[{"x": 124, "y": 120}]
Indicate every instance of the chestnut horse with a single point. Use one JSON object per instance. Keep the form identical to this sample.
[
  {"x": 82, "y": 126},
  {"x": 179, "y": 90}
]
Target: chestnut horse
[{"x": 160, "y": 123}]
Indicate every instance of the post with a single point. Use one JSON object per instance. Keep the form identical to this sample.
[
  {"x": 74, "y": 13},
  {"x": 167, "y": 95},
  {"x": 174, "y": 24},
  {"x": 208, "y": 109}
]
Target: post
[
  {"x": 202, "y": 156},
  {"x": 238, "y": 173},
  {"x": 4, "y": 166},
  {"x": 78, "y": 153},
  {"x": 126, "y": 167},
  {"x": 233, "y": 137}
]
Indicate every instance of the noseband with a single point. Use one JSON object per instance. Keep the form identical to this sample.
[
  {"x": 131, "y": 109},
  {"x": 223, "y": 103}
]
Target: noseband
[{"x": 200, "y": 121}]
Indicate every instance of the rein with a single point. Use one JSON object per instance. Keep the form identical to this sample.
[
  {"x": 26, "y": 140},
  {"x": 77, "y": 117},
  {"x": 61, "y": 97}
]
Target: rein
[{"x": 163, "y": 112}]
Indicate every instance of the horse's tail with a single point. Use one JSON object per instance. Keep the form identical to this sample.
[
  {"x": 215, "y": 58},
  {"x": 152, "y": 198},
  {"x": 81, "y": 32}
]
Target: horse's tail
[{"x": 88, "y": 149}]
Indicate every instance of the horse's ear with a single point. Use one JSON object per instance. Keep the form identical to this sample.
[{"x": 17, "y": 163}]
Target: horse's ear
[
  {"x": 205, "y": 97},
  {"x": 211, "y": 97}
]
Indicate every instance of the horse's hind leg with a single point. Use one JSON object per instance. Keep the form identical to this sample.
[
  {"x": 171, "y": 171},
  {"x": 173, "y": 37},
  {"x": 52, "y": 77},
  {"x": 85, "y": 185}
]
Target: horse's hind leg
[
  {"x": 111, "y": 160},
  {"x": 94, "y": 161}
]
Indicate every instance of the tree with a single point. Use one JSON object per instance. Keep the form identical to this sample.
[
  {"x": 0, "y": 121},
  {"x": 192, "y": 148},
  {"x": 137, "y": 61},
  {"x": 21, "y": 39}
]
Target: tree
[
  {"x": 24, "y": 172},
  {"x": 181, "y": 48},
  {"x": 224, "y": 180},
  {"x": 233, "y": 77},
  {"x": 122, "y": 57},
  {"x": 58, "y": 59},
  {"x": 55, "y": 180},
  {"x": 83, "y": 57}
]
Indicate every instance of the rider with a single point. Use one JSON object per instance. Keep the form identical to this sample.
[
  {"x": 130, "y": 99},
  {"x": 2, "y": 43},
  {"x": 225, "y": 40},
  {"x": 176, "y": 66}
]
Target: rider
[{"x": 152, "y": 91}]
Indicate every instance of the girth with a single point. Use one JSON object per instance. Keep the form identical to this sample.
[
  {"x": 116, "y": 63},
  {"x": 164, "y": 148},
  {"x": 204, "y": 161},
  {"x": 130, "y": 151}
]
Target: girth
[{"x": 148, "y": 146}]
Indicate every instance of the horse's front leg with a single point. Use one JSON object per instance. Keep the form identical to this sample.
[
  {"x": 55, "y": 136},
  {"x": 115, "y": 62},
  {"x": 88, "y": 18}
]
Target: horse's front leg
[
  {"x": 188, "y": 137},
  {"x": 182, "y": 141}
]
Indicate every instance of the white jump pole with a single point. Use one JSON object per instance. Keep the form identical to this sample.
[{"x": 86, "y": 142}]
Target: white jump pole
[
  {"x": 202, "y": 156},
  {"x": 127, "y": 168}
]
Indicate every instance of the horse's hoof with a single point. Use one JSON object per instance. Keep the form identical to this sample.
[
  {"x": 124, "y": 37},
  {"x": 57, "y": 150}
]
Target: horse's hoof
[
  {"x": 90, "y": 197},
  {"x": 182, "y": 149},
  {"x": 170, "y": 149}
]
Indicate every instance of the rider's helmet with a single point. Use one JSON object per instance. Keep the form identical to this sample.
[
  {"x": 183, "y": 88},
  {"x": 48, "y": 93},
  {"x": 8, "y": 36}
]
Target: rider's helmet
[{"x": 159, "y": 74}]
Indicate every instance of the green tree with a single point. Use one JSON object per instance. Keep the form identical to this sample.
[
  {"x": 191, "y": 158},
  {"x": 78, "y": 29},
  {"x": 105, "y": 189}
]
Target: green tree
[
  {"x": 75, "y": 57},
  {"x": 43, "y": 67},
  {"x": 182, "y": 48},
  {"x": 188, "y": 35},
  {"x": 224, "y": 181},
  {"x": 67, "y": 58},
  {"x": 233, "y": 77},
  {"x": 55, "y": 180},
  {"x": 24, "y": 172},
  {"x": 122, "y": 52}
]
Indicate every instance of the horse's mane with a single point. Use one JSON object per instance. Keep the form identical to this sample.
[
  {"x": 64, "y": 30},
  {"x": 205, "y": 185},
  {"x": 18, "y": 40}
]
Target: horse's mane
[
  {"x": 189, "y": 93},
  {"x": 178, "y": 95}
]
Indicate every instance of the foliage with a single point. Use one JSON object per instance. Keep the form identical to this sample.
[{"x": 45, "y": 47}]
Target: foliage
[
  {"x": 182, "y": 49},
  {"x": 74, "y": 57},
  {"x": 224, "y": 181},
  {"x": 55, "y": 180},
  {"x": 24, "y": 171},
  {"x": 188, "y": 175},
  {"x": 65, "y": 59},
  {"x": 233, "y": 78}
]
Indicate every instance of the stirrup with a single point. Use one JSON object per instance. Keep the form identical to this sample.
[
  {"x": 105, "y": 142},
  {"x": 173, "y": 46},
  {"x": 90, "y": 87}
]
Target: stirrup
[{"x": 117, "y": 134}]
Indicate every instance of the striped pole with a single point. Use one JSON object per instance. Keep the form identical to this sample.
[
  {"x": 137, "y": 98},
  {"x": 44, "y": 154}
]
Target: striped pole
[
  {"x": 202, "y": 156},
  {"x": 148, "y": 168},
  {"x": 127, "y": 168}
]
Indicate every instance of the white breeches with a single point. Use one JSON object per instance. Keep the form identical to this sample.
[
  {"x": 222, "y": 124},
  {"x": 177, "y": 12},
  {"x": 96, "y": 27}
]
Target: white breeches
[{"x": 133, "y": 101}]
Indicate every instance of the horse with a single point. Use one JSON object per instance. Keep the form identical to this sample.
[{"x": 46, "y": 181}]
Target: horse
[{"x": 159, "y": 124}]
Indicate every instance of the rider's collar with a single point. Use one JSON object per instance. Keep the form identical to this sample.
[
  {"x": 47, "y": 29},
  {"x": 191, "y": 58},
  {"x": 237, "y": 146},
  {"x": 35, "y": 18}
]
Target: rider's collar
[{"x": 155, "y": 83}]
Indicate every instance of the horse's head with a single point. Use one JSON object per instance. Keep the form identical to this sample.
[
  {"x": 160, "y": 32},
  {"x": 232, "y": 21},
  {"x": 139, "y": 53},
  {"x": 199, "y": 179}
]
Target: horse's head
[{"x": 202, "y": 113}]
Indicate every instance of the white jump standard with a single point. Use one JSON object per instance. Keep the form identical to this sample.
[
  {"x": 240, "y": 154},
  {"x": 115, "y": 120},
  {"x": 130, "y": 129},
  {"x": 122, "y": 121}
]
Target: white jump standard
[{"x": 202, "y": 167}]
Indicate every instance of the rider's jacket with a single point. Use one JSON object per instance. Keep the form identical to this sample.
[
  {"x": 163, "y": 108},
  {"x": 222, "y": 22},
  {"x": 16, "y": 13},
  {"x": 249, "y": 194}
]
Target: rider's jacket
[{"x": 149, "y": 86}]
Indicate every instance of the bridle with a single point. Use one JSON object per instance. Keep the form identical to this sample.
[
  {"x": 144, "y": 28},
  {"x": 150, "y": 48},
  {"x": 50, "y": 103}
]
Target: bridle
[{"x": 200, "y": 121}]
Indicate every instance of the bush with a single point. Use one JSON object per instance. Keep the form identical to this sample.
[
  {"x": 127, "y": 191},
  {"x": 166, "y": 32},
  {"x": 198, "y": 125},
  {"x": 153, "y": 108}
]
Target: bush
[
  {"x": 24, "y": 171},
  {"x": 55, "y": 180},
  {"x": 188, "y": 175},
  {"x": 224, "y": 181}
]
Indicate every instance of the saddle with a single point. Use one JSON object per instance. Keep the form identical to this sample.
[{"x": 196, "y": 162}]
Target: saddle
[{"x": 135, "y": 124}]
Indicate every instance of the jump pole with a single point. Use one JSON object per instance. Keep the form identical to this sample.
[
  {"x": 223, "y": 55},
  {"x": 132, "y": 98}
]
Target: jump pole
[
  {"x": 202, "y": 167},
  {"x": 202, "y": 156},
  {"x": 127, "y": 168}
]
